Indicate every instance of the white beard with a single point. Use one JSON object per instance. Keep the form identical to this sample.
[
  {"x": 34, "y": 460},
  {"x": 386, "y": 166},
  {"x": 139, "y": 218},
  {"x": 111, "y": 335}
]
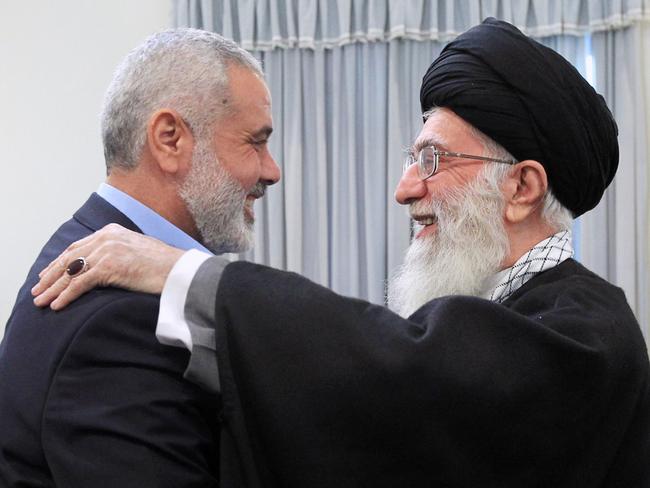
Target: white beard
[
  {"x": 467, "y": 248},
  {"x": 216, "y": 202}
]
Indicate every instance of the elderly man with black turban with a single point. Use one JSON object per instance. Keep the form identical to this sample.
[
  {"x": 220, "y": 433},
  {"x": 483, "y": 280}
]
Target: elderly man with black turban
[{"x": 507, "y": 364}]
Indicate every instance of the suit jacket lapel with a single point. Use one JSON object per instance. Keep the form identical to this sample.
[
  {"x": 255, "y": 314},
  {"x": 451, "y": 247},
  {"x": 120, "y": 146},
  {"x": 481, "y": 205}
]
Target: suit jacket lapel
[{"x": 97, "y": 213}]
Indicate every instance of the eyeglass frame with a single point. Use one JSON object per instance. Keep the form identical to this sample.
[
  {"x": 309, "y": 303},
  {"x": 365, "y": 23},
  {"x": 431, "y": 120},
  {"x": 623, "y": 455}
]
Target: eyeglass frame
[{"x": 411, "y": 160}]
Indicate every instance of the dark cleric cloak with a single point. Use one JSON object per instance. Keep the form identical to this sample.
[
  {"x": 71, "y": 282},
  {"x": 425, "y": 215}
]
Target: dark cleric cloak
[{"x": 548, "y": 389}]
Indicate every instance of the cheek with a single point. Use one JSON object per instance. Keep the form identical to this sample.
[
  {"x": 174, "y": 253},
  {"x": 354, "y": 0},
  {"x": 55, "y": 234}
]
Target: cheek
[
  {"x": 246, "y": 171},
  {"x": 455, "y": 178}
]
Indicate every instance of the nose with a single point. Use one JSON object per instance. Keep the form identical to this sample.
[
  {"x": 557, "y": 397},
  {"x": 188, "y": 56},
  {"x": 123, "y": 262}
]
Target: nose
[
  {"x": 270, "y": 170},
  {"x": 410, "y": 187}
]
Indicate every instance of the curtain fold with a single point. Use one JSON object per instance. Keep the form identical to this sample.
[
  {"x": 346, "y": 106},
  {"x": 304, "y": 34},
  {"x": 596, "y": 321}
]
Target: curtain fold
[
  {"x": 268, "y": 24},
  {"x": 343, "y": 116},
  {"x": 616, "y": 234}
]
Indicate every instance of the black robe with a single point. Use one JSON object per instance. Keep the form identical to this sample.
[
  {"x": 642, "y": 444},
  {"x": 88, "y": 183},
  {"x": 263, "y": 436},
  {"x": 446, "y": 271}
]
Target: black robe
[{"x": 549, "y": 389}]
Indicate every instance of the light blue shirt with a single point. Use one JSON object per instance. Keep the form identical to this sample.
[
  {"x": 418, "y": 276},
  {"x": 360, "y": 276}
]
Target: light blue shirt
[{"x": 149, "y": 222}]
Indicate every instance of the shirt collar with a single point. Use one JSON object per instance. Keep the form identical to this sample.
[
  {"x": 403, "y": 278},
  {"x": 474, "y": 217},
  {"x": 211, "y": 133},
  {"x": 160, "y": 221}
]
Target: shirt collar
[
  {"x": 545, "y": 255},
  {"x": 149, "y": 222}
]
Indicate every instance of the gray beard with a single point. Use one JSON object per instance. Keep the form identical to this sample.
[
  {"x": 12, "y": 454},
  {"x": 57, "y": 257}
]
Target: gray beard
[
  {"x": 216, "y": 202},
  {"x": 466, "y": 249}
]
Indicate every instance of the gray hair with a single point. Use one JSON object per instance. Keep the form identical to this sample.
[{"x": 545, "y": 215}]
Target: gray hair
[
  {"x": 553, "y": 212},
  {"x": 181, "y": 69}
]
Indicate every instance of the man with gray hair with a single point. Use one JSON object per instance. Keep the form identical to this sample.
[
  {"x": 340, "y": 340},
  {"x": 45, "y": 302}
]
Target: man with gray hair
[
  {"x": 88, "y": 397},
  {"x": 508, "y": 364}
]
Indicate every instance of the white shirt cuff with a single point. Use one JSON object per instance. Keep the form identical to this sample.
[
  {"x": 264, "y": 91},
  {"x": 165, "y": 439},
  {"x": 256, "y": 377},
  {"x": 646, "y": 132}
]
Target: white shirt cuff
[{"x": 172, "y": 329}]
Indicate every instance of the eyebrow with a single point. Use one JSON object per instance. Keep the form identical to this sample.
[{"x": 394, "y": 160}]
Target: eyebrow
[
  {"x": 263, "y": 132},
  {"x": 428, "y": 141}
]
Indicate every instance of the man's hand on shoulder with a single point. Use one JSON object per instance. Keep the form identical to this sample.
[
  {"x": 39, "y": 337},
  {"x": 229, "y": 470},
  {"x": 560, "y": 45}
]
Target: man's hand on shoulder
[{"x": 112, "y": 256}]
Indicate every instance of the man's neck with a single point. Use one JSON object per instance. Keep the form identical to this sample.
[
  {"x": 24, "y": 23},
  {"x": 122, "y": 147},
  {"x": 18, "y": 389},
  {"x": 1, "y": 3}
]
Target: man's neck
[
  {"x": 159, "y": 194},
  {"x": 542, "y": 255},
  {"x": 523, "y": 237}
]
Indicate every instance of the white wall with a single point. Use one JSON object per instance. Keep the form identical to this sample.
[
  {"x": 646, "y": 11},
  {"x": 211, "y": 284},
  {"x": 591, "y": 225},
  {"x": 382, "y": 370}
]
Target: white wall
[{"x": 56, "y": 60}]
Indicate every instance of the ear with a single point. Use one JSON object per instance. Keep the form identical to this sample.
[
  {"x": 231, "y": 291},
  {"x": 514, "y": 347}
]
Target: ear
[
  {"x": 524, "y": 190},
  {"x": 170, "y": 141}
]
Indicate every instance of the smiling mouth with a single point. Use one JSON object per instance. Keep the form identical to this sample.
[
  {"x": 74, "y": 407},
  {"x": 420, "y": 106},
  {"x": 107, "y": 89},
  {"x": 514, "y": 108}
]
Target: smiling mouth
[
  {"x": 423, "y": 224},
  {"x": 424, "y": 220},
  {"x": 256, "y": 192}
]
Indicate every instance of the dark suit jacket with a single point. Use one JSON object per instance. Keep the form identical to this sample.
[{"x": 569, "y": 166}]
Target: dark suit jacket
[{"x": 89, "y": 398}]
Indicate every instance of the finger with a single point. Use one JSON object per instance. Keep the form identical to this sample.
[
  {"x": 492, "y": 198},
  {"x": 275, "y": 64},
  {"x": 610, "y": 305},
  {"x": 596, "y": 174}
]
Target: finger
[
  {"x": 56, "y": 263},
  {"x": 75, "y": 288},
  {"x": 52, "y": 291},
  {"x": 87, "y": 279},
  {"x": 59, "y": 267},
  {"x": 49, "y": 276},
  {"x": 55, "y": 281},
  {"x": 76, "y": 249},
  {"x": 82, "y": 242}
]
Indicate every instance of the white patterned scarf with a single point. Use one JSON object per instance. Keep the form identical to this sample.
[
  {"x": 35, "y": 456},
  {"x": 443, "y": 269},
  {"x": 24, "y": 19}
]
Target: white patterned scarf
[{"x": 544, "y": 255}]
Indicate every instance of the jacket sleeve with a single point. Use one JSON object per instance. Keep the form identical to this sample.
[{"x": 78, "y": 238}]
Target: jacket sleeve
[
  {"x": 118, "y": 412},
  {"x": 199, "y": 316}
]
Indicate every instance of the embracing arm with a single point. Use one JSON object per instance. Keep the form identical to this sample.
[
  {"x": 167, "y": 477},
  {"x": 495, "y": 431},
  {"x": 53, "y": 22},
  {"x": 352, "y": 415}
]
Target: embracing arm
[
  {"x": 197, "y": 313},
  {"x": 466, "y": 392}
]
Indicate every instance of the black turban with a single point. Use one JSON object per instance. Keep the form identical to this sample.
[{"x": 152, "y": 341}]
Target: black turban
[{"x": 530, "y": 100}]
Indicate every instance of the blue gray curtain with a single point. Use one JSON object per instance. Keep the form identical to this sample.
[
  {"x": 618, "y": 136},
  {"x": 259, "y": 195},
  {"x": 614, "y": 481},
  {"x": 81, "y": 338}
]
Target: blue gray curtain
[
  {"x": 267, "y": 24},
  {"x": 344, "y": 76}
]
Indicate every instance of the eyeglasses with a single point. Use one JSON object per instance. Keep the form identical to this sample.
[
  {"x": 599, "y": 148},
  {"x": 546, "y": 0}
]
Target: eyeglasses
[{"x": 428, "y": 160}]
